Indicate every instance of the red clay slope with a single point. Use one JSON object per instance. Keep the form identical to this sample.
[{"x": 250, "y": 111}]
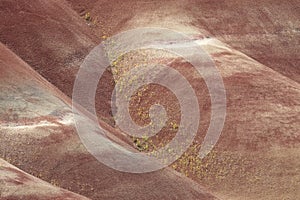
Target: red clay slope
[
  {"x": 257, "y": 156},
  {"x": 16, "y": 184},
  {"x": 267, "y": 30},
  {"x": 53, "y": 39},
  {"x": 48, "y": 35},
  {"x": 37, "y": 134}
]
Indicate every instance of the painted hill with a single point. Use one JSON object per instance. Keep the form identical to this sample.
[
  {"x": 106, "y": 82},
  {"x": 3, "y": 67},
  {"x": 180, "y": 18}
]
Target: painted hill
[
  {"x": 257, "y": 156},
  {"x": 38, "y": 136}
]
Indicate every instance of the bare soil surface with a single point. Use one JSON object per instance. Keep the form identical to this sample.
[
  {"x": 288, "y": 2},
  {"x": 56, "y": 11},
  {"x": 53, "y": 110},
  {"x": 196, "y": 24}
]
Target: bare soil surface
[
  {"x": 255, "y": 46},
  {"x": 46, "y": 145},
  {"x": 267, "y": 31},
  {"x": 255, "y": 156},
  {"x": 16, "y": 184}
]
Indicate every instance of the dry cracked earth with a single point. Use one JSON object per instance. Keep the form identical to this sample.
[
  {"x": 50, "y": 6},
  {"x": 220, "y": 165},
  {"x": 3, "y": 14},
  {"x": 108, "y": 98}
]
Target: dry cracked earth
[{"x": 255, "y": 46}]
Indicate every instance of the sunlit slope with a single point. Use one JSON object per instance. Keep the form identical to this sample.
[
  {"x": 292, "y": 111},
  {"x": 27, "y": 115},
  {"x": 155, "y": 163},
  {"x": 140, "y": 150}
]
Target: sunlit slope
[{"x": 37, "y": 135}]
